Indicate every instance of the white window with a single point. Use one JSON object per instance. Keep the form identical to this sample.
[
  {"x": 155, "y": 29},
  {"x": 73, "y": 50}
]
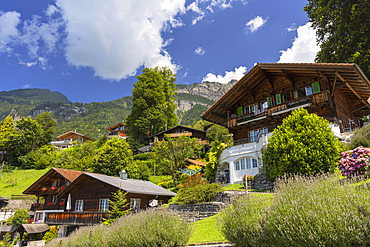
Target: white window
[
  {"x": 135, "y": 203},
  {"x": 79, "y": 206},
  {"x": 248, "y": 163},
  {"x": 103, "y": 205},
  {"x": 255, "y": 163},
  {"x": 237, "y": 165},
  {"x": 264, "y": 104},
  {"x": 308, "y": 91},
  {"x": 242, "y": 164},
  {"x": 251, "y": 108}
]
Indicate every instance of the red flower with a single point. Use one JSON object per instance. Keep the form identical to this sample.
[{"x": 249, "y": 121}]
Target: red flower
[
  {"x": 35, "y": 204},
  {"x": 51, "y": 204},
  {"x": 54, "y": 188},
  {"x": 61, "y": 203},
  {"x": 44, "y": 189},
  {"x": 63, "y": 187}
]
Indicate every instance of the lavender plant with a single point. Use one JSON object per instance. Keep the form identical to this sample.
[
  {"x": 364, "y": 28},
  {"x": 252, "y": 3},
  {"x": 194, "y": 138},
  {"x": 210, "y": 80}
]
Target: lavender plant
[{"x": 354, "y": 162}]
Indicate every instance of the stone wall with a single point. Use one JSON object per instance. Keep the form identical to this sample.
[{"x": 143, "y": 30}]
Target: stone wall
[
  {"x": 198, "y": 211},
  {"x": 229, "y": 195},
  {"x": 261, "y": 182}
]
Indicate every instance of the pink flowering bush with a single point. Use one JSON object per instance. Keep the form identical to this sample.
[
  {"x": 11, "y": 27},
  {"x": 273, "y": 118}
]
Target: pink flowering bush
[{"x": 354, "y": 162}]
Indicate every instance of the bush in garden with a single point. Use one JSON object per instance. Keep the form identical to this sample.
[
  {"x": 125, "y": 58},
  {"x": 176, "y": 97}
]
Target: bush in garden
[
  {"x": 361, "y": 137},
  {"x": 304, "y": 144},
  {"x": 353, "y": 162},
  {"x": 305, "y": 211},
  {"x": 148, "y": 228},
  {"x": 248, "y": 177},
  {"x": 51, "y": 234},
  {"x": 197, "y": 194}
]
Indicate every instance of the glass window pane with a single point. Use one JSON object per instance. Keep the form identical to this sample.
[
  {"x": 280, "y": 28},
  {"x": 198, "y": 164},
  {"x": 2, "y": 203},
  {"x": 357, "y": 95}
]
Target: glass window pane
[
  {"x": 242, "y": 164},
  {"x": 256, "y": 135},
  {"x": 248, "y": 163},
  {"x": 255, "y": 163},
  {"x": 308, "y": 91},
  {"x": 251, "y": 136},
  {"x": 237, "y": 165}
]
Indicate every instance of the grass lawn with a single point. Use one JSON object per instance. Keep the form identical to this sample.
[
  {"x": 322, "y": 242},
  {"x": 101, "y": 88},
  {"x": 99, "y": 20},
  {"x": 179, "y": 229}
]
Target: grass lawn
[
  {"x": 159, "y": 179},
  {"x": 22, "y": 178},
  {"x": 206, "y": 232}
]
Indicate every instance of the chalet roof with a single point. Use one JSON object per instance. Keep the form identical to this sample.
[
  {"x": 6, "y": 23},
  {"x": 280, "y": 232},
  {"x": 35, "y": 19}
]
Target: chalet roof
[
  {"x": 3, "y": 199},
  {"x": 354, "y": 83},
  {"x": 8, "y": 228},
  {"x": 128, "y": 185},
  {"x": 65, "y": 135},
  {"x": 178, "y": 126},
  {"x": 196, "y": 162},
  {"x": 115, "y": 125},
  {"x": 33, "y": 228},
  {"x": 70, "y": 175}
]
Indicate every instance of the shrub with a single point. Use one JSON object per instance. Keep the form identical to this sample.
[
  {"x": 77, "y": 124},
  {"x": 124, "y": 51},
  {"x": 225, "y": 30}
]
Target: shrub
[
  {"x": 213, "y": 155},
  {"x": 361, "y": 137},
  {"x": 19, "y": 217},
  {"x": 303, "y": 144},
  {"x": 147, "y": 228},
  {"x": 166, "y": 184},
  {"x": 51, "y": 234},
  {"x": 197, "y": 194},
  {"x": 353, "y": 162}
]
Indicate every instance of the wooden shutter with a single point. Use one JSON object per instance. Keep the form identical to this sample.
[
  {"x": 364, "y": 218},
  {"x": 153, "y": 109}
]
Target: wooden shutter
[
  {"x": 316, "y": 87},
  {"x": 278, "y": 99},
  {"x": 240, "y": 111},
  {"x": 269, "y": 101},
  {"x": 295, "y": 94}
]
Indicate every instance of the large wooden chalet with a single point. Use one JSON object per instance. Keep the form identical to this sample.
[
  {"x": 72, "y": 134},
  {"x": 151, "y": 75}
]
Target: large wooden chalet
[
  {"x": 259, "y": 101},
  {"x": 75, "y": 198},
  {"x": 117, "y": 130},
  {"x": 67, "y": 139}
]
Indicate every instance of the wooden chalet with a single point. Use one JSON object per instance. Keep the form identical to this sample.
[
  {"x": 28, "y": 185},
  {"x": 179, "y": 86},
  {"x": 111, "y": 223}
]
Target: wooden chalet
[
  {"x": 67, "y": 139},
  {"x": 85, "y": 200},
  {"x": 260, "y": 100},
  {"x": 117, "y": 130},
  {"x": 177, "y": 131}
]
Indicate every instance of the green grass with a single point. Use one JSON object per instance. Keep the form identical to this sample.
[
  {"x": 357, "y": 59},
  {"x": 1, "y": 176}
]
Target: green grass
[
  {"x": 239, "y": 187},
  {"x": 23, "y": 179},
  {"x": 159, "y": 179},
  {"x": 206, "y": 231}
]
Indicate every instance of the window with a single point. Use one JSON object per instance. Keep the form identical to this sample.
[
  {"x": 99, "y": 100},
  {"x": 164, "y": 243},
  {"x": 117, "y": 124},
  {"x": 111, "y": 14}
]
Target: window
[
  {"x": 251, "y": 108},
  {"x": 79, "y": 206},
  {"x": 68, "y": 183},
  {"x": 286, "y": 97},
  {"x": 54, "y": 199},
  {"x": 299, "y": 93},
  {"x": 115, "y": 129},
  {"x": 122, "y": 128},
  {"x": 255, "y": 164},
  {"x": 135, "y": 203},
  {"x": 237, "y": 165},
  {"x": 54, "y": 183},
  {"x": 242, "y": 164},
  {"x": 103, "y": 205},
  {"x": 255, "y": 134},
  {"x": 248, "y": 163},
  {"x": 308, "y": 91},
  {"x": 263, "y": 104}
]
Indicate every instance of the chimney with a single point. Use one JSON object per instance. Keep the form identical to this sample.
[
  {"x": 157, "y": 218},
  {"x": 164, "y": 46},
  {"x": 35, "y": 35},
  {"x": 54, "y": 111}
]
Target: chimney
[{"x": 123, "y": 175}]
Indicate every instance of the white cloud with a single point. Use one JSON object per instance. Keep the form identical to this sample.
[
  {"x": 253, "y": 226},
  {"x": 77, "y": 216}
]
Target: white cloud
[
  {"x": 199, "y": 51},
  {"x": 51, "y": 10},
  {"x": 27, "y": 86},
  {"x": 256, "y": 23},
  {"x": 304, "y": 47},
  {"x": 292, "y": 28},
  {"x": 115, "y": 38},
  {"x": 8, "y": 29},
  {"x": 229, "y": 75}
]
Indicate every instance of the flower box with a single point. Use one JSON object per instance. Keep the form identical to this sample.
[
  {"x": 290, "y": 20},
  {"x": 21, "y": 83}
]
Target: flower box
[
  {"x": 35, "y": 204},
  {"x": 54, "y": 188},
  {"x": 61, "y": 203},
  {"x": 44, "y": 189},
  {"x": 51, "y": 204},
  {"x": 63, "y": 187}
]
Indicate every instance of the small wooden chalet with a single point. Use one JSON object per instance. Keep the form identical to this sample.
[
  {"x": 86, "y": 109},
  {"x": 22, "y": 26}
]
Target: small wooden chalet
[
  {"x": 47, "y": 189},
  {"x": 117, "y": 130},
  {"x": 260, "y": 100},
  {"x": 177, "y": 131},
  {"x": 85, "y": 201},
  {"x": 67, "y": 139}
]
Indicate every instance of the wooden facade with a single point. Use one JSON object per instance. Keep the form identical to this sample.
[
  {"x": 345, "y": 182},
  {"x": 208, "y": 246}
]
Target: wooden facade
[
  {"x": 259, "y": 101},
  {"x": 117, "y": 130},
  {"x": 177, "y": 131}
]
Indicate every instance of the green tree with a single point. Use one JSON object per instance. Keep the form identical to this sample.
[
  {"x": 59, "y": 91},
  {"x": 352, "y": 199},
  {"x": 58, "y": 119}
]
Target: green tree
[
  {"x": 172, "y": 154},
  {"x": 6, "y": 129},
  {"x": 342, "y": 29},
  {"x": 113, "y": 157},
  {"x": 7, "y": 240},
  {"x": 153, "y": 107},
  {"x": 220, "y": 134},
  {"x": 212, "y": 159},
  {"x": 20, "y": 217},
  {"x": 119, "y": 207},
  {"x": 47, "y": 123},
  {"x": 304, "y": 144}
]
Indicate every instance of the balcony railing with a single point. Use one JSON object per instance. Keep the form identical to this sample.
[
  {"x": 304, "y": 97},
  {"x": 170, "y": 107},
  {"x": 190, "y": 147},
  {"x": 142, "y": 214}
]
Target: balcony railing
[
  {"x": 75, "y": 218},
  {"x": 281, "y": 108},
  {"x": 180, "y": 134}
]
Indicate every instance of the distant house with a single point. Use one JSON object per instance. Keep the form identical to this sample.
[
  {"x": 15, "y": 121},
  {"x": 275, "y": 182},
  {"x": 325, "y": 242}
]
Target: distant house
[
  {"x": 117, "y": 130},
  {"x": 178, "y": 131},
  {"x": 67, "y": 139},
  {"x": 85, "y": 199}
]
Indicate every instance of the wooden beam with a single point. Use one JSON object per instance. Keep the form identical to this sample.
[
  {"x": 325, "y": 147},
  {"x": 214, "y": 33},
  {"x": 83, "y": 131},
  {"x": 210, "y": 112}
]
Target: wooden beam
[
  {"x": 335, "y": 81},
  {"x": 269, "y": 78},
  {"x": 289, "y": 77}
]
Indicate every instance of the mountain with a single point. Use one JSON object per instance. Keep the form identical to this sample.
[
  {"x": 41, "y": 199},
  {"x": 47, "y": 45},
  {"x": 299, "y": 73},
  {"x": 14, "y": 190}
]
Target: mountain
[{"x": 32, "y": 96}]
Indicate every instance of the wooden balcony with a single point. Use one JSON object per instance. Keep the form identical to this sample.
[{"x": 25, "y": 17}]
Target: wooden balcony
[
  {"x": 75, "y": 218},
  {"x": 180, "y": 134}
]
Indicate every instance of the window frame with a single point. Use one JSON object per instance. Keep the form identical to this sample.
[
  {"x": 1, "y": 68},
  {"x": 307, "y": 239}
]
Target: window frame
[
  {"x": 254, "y": 163},
  {"x": 249, "y": 107},
  {"x": 79, "y": 205},
  {"x": 105, "y": 205},
  {"x": 249, "y": 166},
  {"x": 132, "y": 203}
]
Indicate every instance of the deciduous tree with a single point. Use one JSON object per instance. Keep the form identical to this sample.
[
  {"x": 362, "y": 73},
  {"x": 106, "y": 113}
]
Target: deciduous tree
[{"x": 6, "y": 129}]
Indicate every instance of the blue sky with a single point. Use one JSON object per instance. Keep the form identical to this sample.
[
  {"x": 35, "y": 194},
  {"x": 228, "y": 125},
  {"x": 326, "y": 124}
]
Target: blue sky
[{"x": 91, "y": 50}]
